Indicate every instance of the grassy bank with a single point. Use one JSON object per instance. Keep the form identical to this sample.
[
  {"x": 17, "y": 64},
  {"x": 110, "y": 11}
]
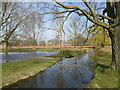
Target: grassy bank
[
  {"x": 14, "y": 71},
  {"x": 42, "y": 49},
  {"x": 66, "y": 54},
  {"x": 29, "y": 49},
  {"x": 104, "y": 77}
]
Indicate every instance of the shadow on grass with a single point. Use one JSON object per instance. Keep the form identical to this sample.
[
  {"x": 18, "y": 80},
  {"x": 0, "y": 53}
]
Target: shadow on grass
[{"x": 102, "y": 66}]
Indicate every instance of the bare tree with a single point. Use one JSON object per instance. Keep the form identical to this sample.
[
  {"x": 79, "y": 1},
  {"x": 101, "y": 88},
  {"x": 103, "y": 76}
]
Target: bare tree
[
  {"x": 13, "y": 16},
  {"x": 113, "y": 26},
  {"x": 32, "y": 29},
  {"x": 74, "y": 28}
]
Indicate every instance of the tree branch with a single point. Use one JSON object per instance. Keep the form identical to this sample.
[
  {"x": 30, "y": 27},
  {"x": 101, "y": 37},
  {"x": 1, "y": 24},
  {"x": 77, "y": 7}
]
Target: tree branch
[
  {"x": 88, "y": 16},
  {"x": 76, "y": 11},
  {"x": 91, "y": 9}
]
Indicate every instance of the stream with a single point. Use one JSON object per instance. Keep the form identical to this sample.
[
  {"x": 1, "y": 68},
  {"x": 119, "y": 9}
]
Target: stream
[{"x": 76, "y": 72}]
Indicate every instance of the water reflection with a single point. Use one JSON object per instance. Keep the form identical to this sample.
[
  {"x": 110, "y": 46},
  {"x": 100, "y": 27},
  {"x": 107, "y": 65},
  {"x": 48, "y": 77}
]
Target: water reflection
[
  {"x": 94, "y": 54},
  {"x": 18, "y": 56},
  {"x": 7, "y": 56},
  {"x": 68, "y": 73}
]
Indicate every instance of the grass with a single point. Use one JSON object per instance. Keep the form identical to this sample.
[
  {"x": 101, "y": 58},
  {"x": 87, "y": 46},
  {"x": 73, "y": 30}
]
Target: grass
[
  {"x": 15, "y": 71},
  {"x": 66, "y": 54},
  {"x": 0, "y": 74},
  {"x": 41, "y": 49},
  {"x": 104, "y": 76},
  {"x": 29, "y": 49}
]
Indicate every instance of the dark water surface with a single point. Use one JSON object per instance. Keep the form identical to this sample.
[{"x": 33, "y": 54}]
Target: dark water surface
[
  {"x": 74, "y": 72},
  {"x": 18, "y": 56}
]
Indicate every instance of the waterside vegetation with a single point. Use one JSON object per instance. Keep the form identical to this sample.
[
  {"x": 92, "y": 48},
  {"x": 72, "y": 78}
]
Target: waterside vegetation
[
  {"x": 15, "y": 71},
  {"x": 104, "y": 77}
]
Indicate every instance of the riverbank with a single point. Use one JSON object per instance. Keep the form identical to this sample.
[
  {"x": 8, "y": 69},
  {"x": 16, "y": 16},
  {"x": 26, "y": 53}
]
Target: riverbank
[
  {"x": 104, "y": 77},
  {"x": 30, "y": 49},
  {"x": 44, "y": 49},
  {"x": 15, "y": 71}
]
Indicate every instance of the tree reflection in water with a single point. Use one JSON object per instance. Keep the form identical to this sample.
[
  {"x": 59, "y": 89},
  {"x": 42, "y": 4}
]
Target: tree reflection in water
[
  {"x": 68, "y": 73},
  {"x": 7, "y": 57},
  {"x": 60, "y": 79}
]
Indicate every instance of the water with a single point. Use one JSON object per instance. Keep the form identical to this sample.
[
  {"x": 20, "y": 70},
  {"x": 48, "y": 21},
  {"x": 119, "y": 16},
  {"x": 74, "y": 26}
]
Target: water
[
  {"x": 74, "y": 72},
  {"x": 18, "y": 56}
]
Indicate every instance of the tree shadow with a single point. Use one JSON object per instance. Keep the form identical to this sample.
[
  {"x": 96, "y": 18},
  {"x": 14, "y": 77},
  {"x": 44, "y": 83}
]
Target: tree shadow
[{"x": 102, "y": 66}]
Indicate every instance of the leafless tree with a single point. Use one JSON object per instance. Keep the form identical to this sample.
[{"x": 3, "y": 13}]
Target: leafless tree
[
  {"x": 13, "y": 16},
  {"x": 32, "y": 29},
  {"x": 113, "y": 25},
  {"x": 74, "y": 28}
]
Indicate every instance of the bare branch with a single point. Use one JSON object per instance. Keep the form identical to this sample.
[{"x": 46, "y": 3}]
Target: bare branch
[
  {"x": 102, "y": 24},
  {"x": 53, "y": 19},
  {"x": 91, "y": 9}
]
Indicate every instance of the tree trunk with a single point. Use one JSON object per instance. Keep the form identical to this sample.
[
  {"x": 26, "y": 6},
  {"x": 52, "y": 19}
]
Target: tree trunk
[
  {"x": 75, "y": 43},
  {"x": 6, "y": 45},
  {"x": 34, "y": 45},
  {"x": 114, "y": 32},
  {"x": 115, "y": 40}
]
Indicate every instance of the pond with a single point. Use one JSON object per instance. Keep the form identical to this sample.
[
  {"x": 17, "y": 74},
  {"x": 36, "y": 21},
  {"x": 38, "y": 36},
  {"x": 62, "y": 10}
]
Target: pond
[
  {"x": 18, "y": 56},
  {"x": 74, "y": 72}
]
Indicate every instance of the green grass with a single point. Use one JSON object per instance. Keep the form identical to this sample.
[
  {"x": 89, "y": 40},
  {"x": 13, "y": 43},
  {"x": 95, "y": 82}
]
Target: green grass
[
  {"x": 104, "y": 77},
  {"x": 0, "y": 74},
  {"x": 40, "y": 49},
  {"x": 14, "y": 71},
  {"x": 66, "y": 54},
  {"x": 29, "y": 49}
]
